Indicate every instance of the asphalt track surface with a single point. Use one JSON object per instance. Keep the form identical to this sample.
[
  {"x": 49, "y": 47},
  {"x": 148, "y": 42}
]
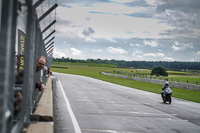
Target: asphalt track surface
[{"x": 87, "y": 105}]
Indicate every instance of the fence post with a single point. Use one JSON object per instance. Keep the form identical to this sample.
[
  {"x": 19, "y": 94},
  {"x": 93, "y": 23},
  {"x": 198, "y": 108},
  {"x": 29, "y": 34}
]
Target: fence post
[
  {"x": 7, "y": 49},
  {"x": 30, "y": 63}
]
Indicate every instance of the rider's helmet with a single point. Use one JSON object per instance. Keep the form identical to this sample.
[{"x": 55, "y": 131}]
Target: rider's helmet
[{"x": 166, "y": 84}]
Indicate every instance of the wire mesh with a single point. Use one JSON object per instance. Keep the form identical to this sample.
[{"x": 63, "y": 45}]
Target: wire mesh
[{"x": 33, "y": 47}]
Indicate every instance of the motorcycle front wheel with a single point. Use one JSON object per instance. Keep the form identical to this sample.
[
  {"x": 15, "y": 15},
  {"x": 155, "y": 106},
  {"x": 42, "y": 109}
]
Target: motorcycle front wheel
[
  {"x": 164, "y": 100},
  {"x": 169, "y": 99}
]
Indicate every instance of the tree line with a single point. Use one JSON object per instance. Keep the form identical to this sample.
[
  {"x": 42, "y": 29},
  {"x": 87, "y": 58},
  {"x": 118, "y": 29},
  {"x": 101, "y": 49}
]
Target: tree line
[{"x": 172, "y": 65}]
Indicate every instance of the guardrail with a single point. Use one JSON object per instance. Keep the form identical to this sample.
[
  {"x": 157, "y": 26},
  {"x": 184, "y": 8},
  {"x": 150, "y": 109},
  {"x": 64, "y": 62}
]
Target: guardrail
[
  {"x": 115, "y": 75},
  {"x": 19, "y": 20}
]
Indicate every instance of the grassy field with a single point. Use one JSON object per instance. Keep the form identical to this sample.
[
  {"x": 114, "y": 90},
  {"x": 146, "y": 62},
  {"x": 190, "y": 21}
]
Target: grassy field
[{"x": 91, "y": 71}]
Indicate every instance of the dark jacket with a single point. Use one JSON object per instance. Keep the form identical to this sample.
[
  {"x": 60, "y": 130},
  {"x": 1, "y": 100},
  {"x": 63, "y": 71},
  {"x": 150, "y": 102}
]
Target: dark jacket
[{"x": 19, "y": 80}]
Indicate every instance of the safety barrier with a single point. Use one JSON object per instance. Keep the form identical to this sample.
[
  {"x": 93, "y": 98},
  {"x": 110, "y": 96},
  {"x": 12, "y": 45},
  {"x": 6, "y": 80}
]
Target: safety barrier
[
  {"x": 172, "y": 84},
  {"x": 23, "y": 38},
  {"x": 156, "y": 81},
  {"x": 115, "y": 75}
]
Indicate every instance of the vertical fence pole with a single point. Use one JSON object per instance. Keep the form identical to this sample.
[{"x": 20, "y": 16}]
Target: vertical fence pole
[
  {"x": 7, "y": 47},
  {"x": 29, "y": 64}
]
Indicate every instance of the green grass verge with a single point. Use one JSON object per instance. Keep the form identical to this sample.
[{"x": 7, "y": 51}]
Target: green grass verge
[{"x": 94, "y": 73}]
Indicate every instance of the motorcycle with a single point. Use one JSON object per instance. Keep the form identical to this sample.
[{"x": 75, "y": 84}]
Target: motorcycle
[{"x": 166, "y": 95}]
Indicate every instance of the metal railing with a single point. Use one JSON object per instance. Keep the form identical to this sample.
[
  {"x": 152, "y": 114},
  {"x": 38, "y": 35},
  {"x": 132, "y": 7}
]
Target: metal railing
[
  {"x": 156, "y": 81},
  {"x": 22, "y": 40},
  {"x": 172, "y": 84},
  {"x": 115, "y": 75}
]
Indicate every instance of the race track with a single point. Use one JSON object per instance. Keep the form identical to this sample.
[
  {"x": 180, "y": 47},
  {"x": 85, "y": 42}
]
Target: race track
[{"x": 87, "y": 105}]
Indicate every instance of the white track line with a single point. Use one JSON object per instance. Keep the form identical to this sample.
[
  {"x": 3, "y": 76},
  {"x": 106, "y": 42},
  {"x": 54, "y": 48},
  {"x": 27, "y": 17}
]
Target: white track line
[{"x": 74, "y": 121}]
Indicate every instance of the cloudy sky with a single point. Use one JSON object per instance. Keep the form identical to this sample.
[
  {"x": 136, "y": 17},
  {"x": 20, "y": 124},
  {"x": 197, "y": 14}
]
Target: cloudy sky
[{"x": 151, "y": 30}]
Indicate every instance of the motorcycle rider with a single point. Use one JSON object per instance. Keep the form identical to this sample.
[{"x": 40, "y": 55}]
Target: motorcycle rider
[
  {"x": 166, "y": 85},
  {"x": 164, "y": 93}
]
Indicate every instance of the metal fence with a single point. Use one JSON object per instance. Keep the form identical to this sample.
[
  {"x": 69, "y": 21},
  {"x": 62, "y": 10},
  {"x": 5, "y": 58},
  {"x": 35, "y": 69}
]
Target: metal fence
[
  {"x": 18, "y": 18},
  {"x": 144, "y": 74},
  {"x": 156, "y": 81},
  {"x": 172, "y": 84}
]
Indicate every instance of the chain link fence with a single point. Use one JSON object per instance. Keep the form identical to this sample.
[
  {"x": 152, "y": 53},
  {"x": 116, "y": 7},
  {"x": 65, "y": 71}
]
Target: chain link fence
[{"x": 23, "y": 38}]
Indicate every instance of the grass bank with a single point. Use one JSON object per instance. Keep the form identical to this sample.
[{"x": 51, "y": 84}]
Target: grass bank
[{"x": 94, "y": 73}]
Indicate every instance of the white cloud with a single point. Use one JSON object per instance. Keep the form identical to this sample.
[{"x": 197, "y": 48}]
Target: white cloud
[
  {"x": 182, "y": 16},
  {"x": 169, "y": 59},
  {"x": 120, "y": 1},
  {"x": 154, "y": 54},
  {"x": 139, "y": 56},
  {"x": 176, "y": 48},
  {"x": 193, "y": 60},
  {"x": 75, "y": 51},
  {"x": 151, "y": 2},
  {"x": 112, "y": 40},
  {"x": 114, "y": 22},
  {"x": 108, "y": 22},
  {"x": 119, "y": 50},
  {"x": 181, "y": 46},
  {"x": 150, "y": 55},
  {"x": 137, "y": 45},
  {"x": 58, "y": 53},
  {"x": 198, "y": 53},
  {"x": 97, "y": 50},
  {"x": 160, "y": 54},
  {"x": 188, "y": 45},
  {"x": 88, "y": 39},
  {"x": 137, "y": 52},
  {"x": 151, "y": 43},
  {"x": 131, "y": 44}
]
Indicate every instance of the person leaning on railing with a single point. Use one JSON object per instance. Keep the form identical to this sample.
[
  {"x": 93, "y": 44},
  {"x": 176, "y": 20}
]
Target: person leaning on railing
[
  {"x": 49, "y": 71},
  {"x": 40, "y": 63}
]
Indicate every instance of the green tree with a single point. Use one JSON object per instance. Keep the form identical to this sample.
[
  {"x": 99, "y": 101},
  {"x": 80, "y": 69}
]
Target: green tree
[
  {"x": 159, "y": 71},
  {"x": 143, "y": 67}
]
